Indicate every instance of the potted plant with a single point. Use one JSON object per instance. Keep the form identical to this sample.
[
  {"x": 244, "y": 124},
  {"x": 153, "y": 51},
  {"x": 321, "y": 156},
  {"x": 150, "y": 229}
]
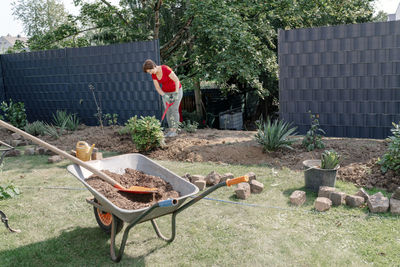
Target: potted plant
[{"x": 321, "y": 172}]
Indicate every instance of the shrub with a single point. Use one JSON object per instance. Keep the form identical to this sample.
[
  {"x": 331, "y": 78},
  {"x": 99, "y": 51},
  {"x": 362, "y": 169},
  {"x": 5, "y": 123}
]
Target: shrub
[
  {"x": 14, "y": 113},
  {"x": 111, "y": 119},
  {"x": 36, "y": 128},
  {"x": 146, "y": 132},
  {"x": 273, "y": 136},
  {"x": 313, "y": 138},
  {"x": 329, "y": 159},
  {"x": 391, "y": 159},
  {"x": 189, "y": 126},
  {"x": 54, "y": 132},
  {"x": 63, "y": 119}
]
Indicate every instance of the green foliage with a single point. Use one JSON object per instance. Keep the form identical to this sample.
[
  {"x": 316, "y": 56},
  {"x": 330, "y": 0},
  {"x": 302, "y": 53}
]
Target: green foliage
[
  {"x": 14, "y": 113},
  {"x": 8, "y": 191},
  {"x": 146, "y": 132},
  {"x": 36, "y": 128},
  {"x": 391, "y": 159},
  {"x": 273, "y": 136},
  {"x": 329, "y": 159},
  {"x": 53, "y": 131},
  {"x": 188, "y": 126},
  {"x": 313, "y": 138},
  {"x": 63, "y": 119},
  {"x": 111, "y": 119}
]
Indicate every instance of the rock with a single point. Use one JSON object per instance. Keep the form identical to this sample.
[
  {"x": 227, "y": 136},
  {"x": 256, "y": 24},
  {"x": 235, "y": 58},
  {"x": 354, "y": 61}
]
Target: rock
[
  {"x": 23, "y": 143},
  {"x": 186, "y": 176},
  {"x": 213, "y": 178},
  {"x": 15, "y": 143},
  {"x": 362, "y": 193},
  {"x": 256, "y": 187},
  {"x": 251, "y": 175},
  {"x": 29, "y": 151},
  {"x": 226, "y": 176},
  {"x": 322, "y": 204},
  {"x": 396, "y": 194},
  {"x": 97, "y": 156},
  {"x": 16, "y": 136},
  {"x": 194, "y": 178},
  {"x": 338, "y": 198},
  {"x": 13, "y": 153},
  {"x": 395, "y": 206},
  {"x": 298, "y": 197},
  {"x": 201, "y": 184},
  {"x": 243, "y": 190},
  {"x": 54, "y": 159},
  {"x": 378, "y": 203},
  {"x": 49, "y": 152},
  {"x": 325, "y": 191},
  {"x": 40, "y": 151},
  {"x": 354, "y": 201}
]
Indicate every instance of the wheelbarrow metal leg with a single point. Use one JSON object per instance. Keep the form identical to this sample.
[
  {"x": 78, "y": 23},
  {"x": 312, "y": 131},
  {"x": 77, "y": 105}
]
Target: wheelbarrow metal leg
[{"x": 173, "y": 229}]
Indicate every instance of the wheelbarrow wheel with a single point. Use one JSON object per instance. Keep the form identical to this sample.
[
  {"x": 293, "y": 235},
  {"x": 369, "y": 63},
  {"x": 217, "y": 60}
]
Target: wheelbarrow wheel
[{"x": 105, "y": 219}]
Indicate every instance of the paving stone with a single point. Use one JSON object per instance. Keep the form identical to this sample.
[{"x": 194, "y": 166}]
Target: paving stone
[
  {"x": 395, "y": 206},
  {"x": 213, "y": 178},
  {"x": 325, "y": 191},
  {"x": 226, "y": 176},
  {"x": 256, "y": 187},
  {"x": 54, "y": 159},
  {"x": 338, "y": 198},
  {"x": 201, "y": 184},
  {"x": 251, "y": 175},
  {"x": 298, "y": 198},
  {"x": 322, "y": 204},
  {"x": 362, "y": 193},
  {"x": 243, "y": 191},
  {"x": 378, "y": 203},
  {"x": 354, "y": 201}
]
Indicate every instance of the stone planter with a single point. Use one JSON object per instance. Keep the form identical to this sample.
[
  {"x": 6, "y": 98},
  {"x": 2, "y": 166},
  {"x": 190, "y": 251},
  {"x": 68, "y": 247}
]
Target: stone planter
[{"x": 315, "y": 177}]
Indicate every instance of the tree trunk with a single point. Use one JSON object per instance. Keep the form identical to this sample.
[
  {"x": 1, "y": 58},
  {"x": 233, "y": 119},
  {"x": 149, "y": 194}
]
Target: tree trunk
[
  {"x": 157, "y": 19},
  {"x": 197, "y": 98}
]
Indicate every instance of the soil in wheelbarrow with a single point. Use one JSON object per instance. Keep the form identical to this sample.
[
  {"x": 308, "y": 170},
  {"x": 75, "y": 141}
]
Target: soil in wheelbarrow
[{"x": 131, "y": 177}]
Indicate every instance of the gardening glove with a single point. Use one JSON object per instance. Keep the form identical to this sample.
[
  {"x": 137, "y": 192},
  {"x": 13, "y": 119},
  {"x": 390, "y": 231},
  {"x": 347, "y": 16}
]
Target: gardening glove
[{"x": 172, "y": 97}]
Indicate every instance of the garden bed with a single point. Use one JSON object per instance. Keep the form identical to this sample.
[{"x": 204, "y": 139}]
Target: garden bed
[{"x": 358, "y": 163}]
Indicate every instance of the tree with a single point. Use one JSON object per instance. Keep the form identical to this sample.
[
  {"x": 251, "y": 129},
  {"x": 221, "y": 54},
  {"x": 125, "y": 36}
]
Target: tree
[{"x": 39, "y": 16}]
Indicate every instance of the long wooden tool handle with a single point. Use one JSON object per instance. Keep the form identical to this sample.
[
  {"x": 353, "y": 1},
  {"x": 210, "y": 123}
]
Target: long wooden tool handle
[{"x": 60, "y": 152}]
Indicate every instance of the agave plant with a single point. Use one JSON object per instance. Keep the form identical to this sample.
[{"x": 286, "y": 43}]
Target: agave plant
[
  {"x": 329, "y": 159},
  {"x": 274, "y": 135}
]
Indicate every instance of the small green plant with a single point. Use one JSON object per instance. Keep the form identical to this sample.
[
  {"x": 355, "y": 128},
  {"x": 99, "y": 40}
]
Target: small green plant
[
  {"x": 188, "y": 126},
  {"x": 14, "y": 113},
  {"x": 273, "y": 136},
  {"x": 36, "y": 128},
  {"x": 146, "y": 132},
  {"x": 63, "y": 119},
  {"x": 329, "y": 159},
  {"x": 313, "y": 138},
  {"x": 391, "y": 159},
  {"x": 8, "y": 191},
  {"x": 99, "y": 114},
  {"x": 53, "y": 131},
  {"x": 111, "y": 119}
]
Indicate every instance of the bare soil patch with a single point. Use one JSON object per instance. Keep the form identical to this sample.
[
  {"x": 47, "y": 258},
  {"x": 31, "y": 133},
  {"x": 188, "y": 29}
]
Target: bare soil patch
[
  {"x": 358, "y": 165},
  {"x": 131, "y": 177}
]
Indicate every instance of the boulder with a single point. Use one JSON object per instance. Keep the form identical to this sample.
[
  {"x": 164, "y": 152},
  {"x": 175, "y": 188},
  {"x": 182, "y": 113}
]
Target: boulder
[
  {"x": 251, "y": 175},
  {"x": 396, "y": 194},
  {"x": 201, "y": 184},
  {"x": 40, "y": 151},
  {"x": 243, "y": 191},
  {"x": 325, "y": 191},
  {"x": 194, "y": 178},
  {"x": 13, "y": 153},
  {"x": 322, "y": 204},
  {"x": 29, "y": 151},
  {"x": 226, "y": 176},
  {"x": 362, "y": 193},
  {"x": 338, "y": 198},
  {"x": 298, "y": 198},
  {"x": 256, "y": 187},
  {"x": 354, "y": 201},
  {"x": 213, "y": 178},
  {"x": 54, "y": 159},
  {"x": 378, "y": 203},
  {"x": 395, "y": 206}
]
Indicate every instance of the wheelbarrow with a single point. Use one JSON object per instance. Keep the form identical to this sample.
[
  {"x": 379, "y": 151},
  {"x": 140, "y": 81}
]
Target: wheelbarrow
[{"x": 111, "y": 218}]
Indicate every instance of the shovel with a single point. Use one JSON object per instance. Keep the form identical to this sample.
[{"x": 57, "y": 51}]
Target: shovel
[{"x": 103, "y": 176}]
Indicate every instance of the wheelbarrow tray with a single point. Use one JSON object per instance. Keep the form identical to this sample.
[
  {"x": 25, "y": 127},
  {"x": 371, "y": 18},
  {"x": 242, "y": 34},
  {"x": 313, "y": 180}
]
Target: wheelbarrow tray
[{"x": 118, "y": 164}]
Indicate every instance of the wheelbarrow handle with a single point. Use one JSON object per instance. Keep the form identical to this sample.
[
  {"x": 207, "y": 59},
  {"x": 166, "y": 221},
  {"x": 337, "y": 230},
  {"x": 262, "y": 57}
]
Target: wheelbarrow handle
[{"x": 237, "y": 180}]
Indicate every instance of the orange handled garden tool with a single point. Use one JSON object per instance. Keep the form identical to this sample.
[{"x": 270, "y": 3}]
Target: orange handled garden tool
[
  {"x": 166, "y": 109},
  {"x": 103, "y": 176}
]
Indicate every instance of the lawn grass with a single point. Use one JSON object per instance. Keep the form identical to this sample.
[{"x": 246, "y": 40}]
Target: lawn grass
[{"x": 59, "y": 229}]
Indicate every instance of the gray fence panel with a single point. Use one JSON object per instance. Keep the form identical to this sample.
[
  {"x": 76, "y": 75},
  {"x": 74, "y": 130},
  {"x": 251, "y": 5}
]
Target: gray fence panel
[
  {"x": 47, "y": 81},
  {"x": 347, "y": 74},
  {"x": 1, "y": 83}
]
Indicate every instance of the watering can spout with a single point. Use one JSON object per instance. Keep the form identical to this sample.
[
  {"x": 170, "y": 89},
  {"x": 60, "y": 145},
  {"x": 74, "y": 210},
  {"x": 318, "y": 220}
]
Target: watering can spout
[{"x": 84, "y": 151}]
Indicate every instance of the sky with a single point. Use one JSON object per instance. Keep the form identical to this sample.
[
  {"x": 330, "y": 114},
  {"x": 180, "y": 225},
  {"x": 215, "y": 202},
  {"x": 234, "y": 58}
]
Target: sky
[{"x": 8, "y": 25}]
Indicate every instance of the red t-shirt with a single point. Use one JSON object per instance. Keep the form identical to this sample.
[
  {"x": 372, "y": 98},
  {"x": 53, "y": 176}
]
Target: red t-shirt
[{"x": 167, "y": 84}]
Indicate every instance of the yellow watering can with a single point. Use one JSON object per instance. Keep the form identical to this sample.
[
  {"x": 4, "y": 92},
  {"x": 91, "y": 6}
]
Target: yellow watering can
[{"x": 83, "y": 150}]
